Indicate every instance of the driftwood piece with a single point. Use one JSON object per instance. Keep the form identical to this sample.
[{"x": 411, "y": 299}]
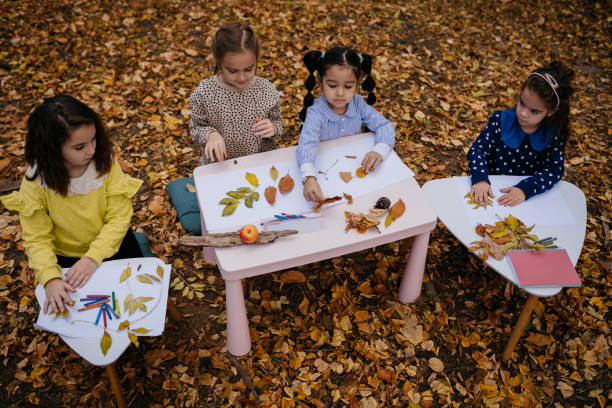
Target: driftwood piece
[{"x": 228, "y": 239}]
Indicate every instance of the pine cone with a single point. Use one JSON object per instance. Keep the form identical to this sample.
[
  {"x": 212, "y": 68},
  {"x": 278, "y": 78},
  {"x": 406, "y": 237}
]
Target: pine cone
[{"x": 383, "y": 203}]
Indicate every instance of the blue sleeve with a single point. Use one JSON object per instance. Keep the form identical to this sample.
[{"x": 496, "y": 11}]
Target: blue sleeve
[
  {"x": 550, "y": 171},
  {"x": 309, "y": 137},
  {"x": 382, "y": 127},
  {"x": 479, "y": 153}
]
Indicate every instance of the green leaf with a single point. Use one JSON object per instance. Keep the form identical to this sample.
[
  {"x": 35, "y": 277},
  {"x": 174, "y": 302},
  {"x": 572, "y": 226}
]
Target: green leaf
[
  {"x": 229, "y": 209},
  {"x": 236, "y": 194},
  {"x": 255, "y": 195},
  {"x": 248, "y": 201}
]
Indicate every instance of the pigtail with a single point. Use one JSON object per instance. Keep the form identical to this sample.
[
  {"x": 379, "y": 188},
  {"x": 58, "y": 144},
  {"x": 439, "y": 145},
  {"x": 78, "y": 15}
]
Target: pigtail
[
  {"x": 368, "y": 84},
  {"x": 312, "y": 60}
]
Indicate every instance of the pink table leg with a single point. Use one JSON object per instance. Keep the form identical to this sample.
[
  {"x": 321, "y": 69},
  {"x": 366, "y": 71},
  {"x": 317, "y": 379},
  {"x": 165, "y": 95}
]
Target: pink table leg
[
  {"x": 410, "y": 288},
  {"x": 238, "y": 336}
]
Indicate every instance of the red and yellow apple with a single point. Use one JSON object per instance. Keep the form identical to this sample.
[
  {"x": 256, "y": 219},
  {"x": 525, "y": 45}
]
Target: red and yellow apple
[{"x": 249, "y": 234}]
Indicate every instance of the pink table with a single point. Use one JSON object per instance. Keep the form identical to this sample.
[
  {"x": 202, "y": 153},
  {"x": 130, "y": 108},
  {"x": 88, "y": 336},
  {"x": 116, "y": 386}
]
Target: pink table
[{"x": 244, "y": 261}]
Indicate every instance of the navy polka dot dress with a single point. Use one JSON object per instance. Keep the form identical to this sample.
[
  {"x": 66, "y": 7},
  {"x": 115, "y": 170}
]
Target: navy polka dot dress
[{"x": 507, "y": 150}]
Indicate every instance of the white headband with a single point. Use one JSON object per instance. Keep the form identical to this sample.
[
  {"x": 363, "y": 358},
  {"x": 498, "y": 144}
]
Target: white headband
[{"x": 550, "y": 81}]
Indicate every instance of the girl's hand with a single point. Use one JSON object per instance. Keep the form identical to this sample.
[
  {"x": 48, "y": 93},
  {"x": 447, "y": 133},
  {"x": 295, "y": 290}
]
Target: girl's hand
[
  {"x": 56, "y": 294},
  {"x": 264, "y": 128},
  {"x": 81, "y": 271},
  {"x": 312, "y": 190},
  {"x": 370, "y": 161},
  {"x": 512, "y": 196},
  {"x": 481, "y": 191},
  {"x": 215, "y": 145}
]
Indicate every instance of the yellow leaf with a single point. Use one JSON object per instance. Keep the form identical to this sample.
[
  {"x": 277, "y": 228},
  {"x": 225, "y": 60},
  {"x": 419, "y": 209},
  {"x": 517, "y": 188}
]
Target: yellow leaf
[
  {"x": 388, "y": 220},
  {"x": 141, "y": 306},
  {"x": 140, "y": 330},
  {"x": 155, "y": 278},
  {"x": 230, "y": 208},
  {"x": 133, "y": 306},
  {"x": 124, "y": 325},
  {"x": 513, "y": 222},
  {"x": 190, "y": 187},
  {"x": 160, "y": 271},
  {"x": 126, "y": 302},
  {"x": 144, "y": 299},
  {"x": 133, "y": 338},
  {"x": 252, "y": 179},
  {"x": 273, "y": 173},
  {"x": 144, "y": 279},
  {"x": 126, "y": 274},
  {"x": 105, "y": 342}
]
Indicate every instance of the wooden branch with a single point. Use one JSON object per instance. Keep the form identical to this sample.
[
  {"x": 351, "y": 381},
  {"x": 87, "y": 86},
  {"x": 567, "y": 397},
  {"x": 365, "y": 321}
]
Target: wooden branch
[{"x": 228, "y": 239}]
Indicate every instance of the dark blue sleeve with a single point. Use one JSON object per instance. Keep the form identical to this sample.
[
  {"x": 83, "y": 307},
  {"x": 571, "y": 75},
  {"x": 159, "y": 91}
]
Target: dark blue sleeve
[
  {"x": 479, "y": 153},
  {"x": 550, "y": 171}
]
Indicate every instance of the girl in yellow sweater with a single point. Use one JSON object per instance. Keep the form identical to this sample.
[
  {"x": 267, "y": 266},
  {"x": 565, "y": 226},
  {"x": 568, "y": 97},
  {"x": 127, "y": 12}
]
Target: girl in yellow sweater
[{"x": 74, "y": 203}]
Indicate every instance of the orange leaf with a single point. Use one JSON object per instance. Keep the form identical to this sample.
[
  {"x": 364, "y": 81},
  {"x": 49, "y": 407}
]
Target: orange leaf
[
  {"x": 285, "y": 185},
  {"x": 319, "y": 204},
  {"x": 348, "y": 197},
  {"x": 346, "y": 176},
  {"x": 397, "y": 209},
  {"x": 270, "y": 194},
  {"x": 361, "y": 316},
  {"x": 361, "y": 173}
]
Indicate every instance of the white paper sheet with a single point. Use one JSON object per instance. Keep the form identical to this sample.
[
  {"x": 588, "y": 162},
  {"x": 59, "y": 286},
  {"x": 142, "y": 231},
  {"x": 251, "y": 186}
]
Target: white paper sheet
[
  {"x": 390, "y": 171},
  {"x": 548, "y": 208},
  {"x": 104, "y": 281}
]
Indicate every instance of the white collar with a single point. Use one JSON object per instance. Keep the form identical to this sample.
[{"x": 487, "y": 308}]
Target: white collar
[{"x": 79, "y": 185}]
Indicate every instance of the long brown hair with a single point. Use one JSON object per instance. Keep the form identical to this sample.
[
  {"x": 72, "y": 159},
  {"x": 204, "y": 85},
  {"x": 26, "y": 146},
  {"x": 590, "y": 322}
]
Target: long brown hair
[
  {"x": 49, "y": 127},
  {"x": 563, "y": 91}
]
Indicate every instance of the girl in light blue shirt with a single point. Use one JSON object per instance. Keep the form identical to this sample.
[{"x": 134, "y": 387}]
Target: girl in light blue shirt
[{"x": 339, "y": 111}]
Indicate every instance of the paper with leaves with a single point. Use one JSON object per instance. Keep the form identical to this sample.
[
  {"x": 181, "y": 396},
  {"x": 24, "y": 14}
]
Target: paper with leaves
[
  {"x": 334, "y": 161},
  {"x": 548, "y": 208},
  {"x": 145, "y": 287}
]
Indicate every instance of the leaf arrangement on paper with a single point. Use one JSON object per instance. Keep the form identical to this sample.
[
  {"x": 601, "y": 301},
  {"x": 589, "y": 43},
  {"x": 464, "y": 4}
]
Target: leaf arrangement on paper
[
  {"x": 478, "y": 205},
  {"x": 509, "y": 233}
]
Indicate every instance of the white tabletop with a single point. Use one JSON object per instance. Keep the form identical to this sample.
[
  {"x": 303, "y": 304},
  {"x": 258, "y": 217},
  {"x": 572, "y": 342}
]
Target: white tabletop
[
  {"x": 251, "y": 260},
  {"x": 450, "y": 210}
]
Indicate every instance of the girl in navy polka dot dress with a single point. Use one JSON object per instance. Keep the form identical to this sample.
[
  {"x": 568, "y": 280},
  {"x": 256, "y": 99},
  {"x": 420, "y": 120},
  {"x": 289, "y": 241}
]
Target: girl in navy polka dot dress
[{"x": 526, "y": 140}]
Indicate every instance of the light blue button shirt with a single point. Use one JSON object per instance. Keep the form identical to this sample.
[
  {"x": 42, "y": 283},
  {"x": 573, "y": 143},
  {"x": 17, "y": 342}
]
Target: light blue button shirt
[{"x": 323, "y": 124}]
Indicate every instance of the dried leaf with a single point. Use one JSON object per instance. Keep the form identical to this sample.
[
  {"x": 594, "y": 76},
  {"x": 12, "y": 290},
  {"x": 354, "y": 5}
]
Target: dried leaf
[
  {"x": 248, "y": 201},
  {"x": 229, "y": 209},
  {"x": 292, "y": 276},
  {"x": 285, "y": 184},
  {"x": 397, "y": 209},
  {"x": 125, "y": 274},
  {"x": 190, "y": 188},
  {"x": 133, "y": 306},
  {"x": 327, "y": 200},
  {"x": 105, "y": 342},
  {"x": 144, "y": 299},
  {"x": 140, "y": 330},
  {"x": 346, "y": 176},
  {"x": 361, "y": 173},
  {"x": 126, "y": 302},
  {"x": 270, "y": 194},
  {"x": 160, "y": 271},
  {"x": 273, "y": 173},
  {"x": 226, "y": 201},
  {"x": 252, "y": 179},
  {"x": 245, "y": 190},
  {"x": 144, "y": 279},
  {"x": 255, "y": 195},
  {"x": 124, "y": 325},
  {"x": 236, "y": 194},
  {"x": 133, "y": 339},
  {"x": 436, "y": 364},
  {"x": 141, "y": 306},
  {"x": 348, "y": 197},
  {"x": 155, "y": 278}
]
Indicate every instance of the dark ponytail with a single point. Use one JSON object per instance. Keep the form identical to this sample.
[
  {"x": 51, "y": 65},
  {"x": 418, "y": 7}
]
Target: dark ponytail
[
  {"x": 563, "y": 77},
  {"x": 317, "y": 61}
]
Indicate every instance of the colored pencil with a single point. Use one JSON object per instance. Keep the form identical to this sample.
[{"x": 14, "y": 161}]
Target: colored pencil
[
  {"x": 107, "y": 308},
  {"x": 87, "y": 299},
  {"x": 112, "y": 312},
  {"x": 93, "y": 306},
  {"x": 98, "y": 296},
  {"x": 103, "y": 315},
  {"x": 281, "y": 217},
  {"x": 99, "y": 314},
  {"x": 118, "y": 310},
  {"x": 91, "y": 302},
  {"x": 113, "y": 300}
]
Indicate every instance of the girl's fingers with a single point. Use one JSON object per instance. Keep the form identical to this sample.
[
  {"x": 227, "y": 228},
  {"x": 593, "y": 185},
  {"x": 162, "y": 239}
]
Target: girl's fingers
[{"x": 46, "y": 305}]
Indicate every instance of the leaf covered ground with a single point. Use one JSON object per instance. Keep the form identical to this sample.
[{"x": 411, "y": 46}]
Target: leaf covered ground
[{"x": 330, "y": 333}]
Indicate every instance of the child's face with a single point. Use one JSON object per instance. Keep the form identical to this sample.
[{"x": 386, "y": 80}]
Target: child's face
[
  {"x": 238, "y": 68},
  {"x": 531, "y": 110},
  {"x": 339, "y": 84},
  {"x": 80, "y": 148}
]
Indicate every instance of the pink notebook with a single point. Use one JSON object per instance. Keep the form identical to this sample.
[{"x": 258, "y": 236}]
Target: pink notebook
[{"x": 551, "y": 267}]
